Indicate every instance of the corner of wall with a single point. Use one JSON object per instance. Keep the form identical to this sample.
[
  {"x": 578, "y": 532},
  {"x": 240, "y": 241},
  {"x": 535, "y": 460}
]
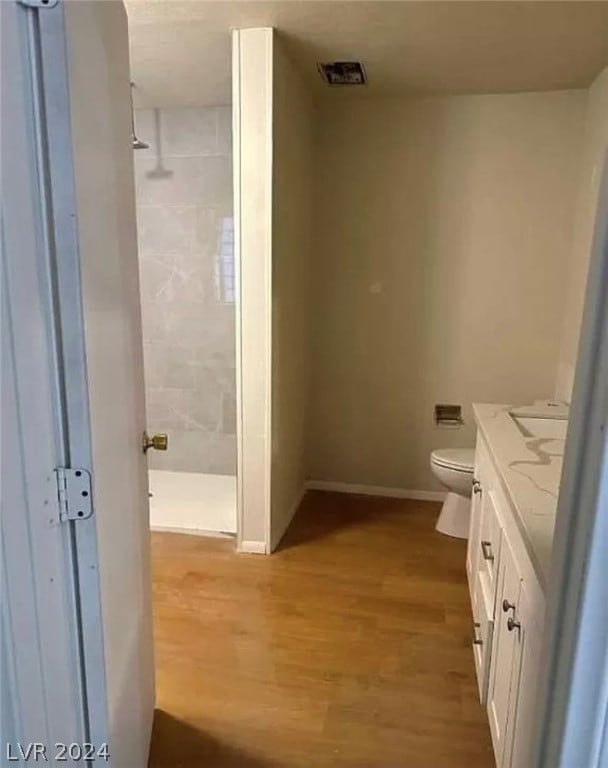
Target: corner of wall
[
  {"x": 595, "y": 146},
  {"x": 291, "y": 255},
  {"x": 280, "y": 529}
]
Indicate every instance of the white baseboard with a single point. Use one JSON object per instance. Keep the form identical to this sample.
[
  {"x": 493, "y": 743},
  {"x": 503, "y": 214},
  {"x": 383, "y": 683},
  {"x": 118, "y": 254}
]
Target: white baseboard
[
  {"x": 259, "y": 547},
  {"x": 280, "y": 532},
  {"x": 375, "y": 490},
  {"x": 252, "y": 547},
  {"x": 191, "y": 531}
]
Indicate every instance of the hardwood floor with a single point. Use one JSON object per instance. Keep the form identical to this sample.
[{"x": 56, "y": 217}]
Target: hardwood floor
[{"x": 348, "y": 647}]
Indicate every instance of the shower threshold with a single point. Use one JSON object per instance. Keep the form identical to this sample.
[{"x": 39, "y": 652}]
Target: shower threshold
[{"x": 192, "y": 502}]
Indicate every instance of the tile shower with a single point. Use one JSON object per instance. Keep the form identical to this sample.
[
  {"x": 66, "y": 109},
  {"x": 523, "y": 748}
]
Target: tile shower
[{"x": 186, "y": 254}]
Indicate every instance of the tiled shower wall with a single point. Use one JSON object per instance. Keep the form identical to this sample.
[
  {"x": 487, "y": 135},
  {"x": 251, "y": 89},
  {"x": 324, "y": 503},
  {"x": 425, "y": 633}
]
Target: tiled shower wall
[{"x": 185, "y": 232}]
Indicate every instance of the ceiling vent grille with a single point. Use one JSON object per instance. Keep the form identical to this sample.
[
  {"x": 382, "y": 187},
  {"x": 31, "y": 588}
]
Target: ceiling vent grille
[{"x": 343, "y": 73}]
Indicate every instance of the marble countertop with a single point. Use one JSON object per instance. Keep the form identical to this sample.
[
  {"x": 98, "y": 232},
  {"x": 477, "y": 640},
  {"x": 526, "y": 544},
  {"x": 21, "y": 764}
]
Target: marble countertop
[{"x": 530, "y": 468}]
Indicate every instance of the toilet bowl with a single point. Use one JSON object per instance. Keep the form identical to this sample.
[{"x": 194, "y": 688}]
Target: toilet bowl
[{"x": 453, "y": 467}]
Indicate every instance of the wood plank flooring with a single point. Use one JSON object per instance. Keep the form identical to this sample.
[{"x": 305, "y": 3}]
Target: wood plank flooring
[{"x": 348, "y": 647}]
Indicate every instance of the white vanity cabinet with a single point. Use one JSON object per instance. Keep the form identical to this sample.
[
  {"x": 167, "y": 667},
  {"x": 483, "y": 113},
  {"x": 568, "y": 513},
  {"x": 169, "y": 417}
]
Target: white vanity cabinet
[{"x": 508, "y": 613}]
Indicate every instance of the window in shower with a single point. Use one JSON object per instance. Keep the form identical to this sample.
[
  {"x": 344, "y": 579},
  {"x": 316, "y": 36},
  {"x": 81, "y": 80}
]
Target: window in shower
[{"x": 224, "y": 267}]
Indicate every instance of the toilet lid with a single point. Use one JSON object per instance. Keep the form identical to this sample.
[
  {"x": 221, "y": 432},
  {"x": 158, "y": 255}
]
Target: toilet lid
[{"x": 462, "y": 459}]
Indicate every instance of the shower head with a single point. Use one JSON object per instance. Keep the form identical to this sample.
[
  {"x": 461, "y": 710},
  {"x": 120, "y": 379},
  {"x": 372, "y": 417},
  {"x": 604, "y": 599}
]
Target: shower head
[
  {"x": 138, "y": 143},
  {"x": 135, "y": 142}
]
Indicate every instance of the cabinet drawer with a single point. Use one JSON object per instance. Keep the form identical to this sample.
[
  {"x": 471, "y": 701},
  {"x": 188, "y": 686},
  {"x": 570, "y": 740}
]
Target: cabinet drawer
[
  {"x": 483, "y": 628},
  {"x": 489, "y": 540}
]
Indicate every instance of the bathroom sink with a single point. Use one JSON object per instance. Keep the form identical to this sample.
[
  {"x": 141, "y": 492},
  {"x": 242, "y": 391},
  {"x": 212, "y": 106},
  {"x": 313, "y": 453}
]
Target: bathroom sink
[
  {"x": 546, "y": 419},
  {"x": 554, "y": 429}
]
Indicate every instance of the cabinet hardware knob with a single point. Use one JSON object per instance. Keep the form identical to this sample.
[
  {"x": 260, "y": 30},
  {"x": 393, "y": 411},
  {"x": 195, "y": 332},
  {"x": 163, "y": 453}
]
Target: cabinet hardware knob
[
  {"x": 476, "y": 486},
  {"x": 476, "y": 640},
  {"x": 486, "y": 549},
  {"x": 512, "y": 624},
  {"x": 507, "y": 606}
]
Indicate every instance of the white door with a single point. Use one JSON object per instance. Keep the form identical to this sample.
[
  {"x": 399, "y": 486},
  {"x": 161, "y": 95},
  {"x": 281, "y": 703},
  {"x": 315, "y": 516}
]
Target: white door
[{"x": 85, "y": 113}]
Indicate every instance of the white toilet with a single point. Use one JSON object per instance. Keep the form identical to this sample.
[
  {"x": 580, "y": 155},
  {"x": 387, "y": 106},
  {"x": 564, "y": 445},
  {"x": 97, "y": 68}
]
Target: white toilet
[{"x": 453, "y": 467}]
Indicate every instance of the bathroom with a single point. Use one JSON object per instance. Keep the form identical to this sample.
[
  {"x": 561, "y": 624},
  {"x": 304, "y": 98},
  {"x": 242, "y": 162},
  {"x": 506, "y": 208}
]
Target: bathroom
[
  {"x": 462, "y": 282},
  {"x": 406, "y": 247},
  {"x": 338, "y": 273}
]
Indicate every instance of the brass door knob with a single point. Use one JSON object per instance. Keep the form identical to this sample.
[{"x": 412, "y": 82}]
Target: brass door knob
[{"x": 160, "y": 442}]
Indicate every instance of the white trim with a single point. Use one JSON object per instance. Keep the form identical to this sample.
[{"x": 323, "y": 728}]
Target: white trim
[
  {"x": 269, "y": 154},
  {"x": 39, "y": 640},
  {"x": 252, "y": 154},
  {"x": 279, "y": 532},
  {"x": 236, "y": 173},
  {"x": 70, "y": 313},
  {"x": 375, "y": 490},
  {"x": 252, "y": 547}
]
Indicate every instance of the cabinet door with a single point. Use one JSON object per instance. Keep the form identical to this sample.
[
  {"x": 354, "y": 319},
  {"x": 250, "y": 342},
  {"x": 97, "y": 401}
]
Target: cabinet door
[
  {"x": 479, "y": 488},
  {"x": 474, "y": 533},
  {"x": 520, "y": 727},
  {"x": 504, "y": 651}
]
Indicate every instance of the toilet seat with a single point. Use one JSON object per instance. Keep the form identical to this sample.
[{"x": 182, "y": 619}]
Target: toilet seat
[{"x": 456, "y": 459}]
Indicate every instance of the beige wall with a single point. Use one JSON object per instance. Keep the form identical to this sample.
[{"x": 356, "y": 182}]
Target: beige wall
[
  {"x": 291, "y": 262},
  {"x": 595, "y": 146},
  {"x": 442, "y": 232}
]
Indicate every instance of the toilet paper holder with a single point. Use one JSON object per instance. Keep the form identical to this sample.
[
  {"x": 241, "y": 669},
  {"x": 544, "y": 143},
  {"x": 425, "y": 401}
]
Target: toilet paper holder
[{"x": 448, "y": 415}]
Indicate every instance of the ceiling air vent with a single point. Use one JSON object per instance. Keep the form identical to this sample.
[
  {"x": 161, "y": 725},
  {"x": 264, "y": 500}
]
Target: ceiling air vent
[{"x": 343, "y": 73}]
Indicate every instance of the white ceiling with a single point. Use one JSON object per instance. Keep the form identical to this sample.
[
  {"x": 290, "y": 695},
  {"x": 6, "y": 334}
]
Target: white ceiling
[{"x": 180, "y": 49}]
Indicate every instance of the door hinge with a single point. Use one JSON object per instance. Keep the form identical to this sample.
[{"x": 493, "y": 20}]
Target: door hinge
[
  {"x": 74, "y": 494},
  {"x": 38, "y": 3}
]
